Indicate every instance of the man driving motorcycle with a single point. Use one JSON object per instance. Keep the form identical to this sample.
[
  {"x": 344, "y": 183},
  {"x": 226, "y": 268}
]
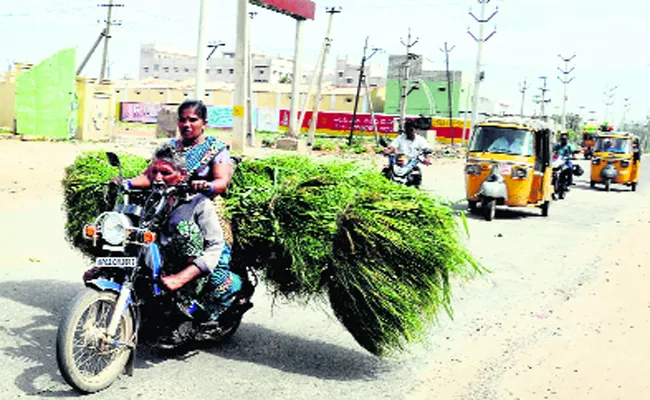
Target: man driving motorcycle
[
  {"x": 409, "y": 143},
  {"x": 564, "y": 150}
]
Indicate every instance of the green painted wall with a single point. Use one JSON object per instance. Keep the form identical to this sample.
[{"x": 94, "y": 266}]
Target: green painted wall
[
  {"x": 44, "y": 97},
  {"x": 417, "y": 102}
]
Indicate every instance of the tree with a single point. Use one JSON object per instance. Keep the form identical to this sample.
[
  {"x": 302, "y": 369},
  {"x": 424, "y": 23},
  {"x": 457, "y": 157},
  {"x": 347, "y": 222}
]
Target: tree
[{"x": 285, "y": 79}]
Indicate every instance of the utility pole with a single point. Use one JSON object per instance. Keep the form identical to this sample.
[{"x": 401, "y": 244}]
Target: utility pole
[
  {"x": 626, "y": 108},
  {"x": 250, "y": 122},
  {"x": 449, "y": 101},
  {"x": 609, "y": 101},
  {"x": 372, "y": 109},
  {"x": 478, "y": 77},
  {"x": 405, "y": 81},
  {"x": 522, "y": 88},
  {"x": 202, "y": 45},
  {"x": 566, "y": 71},
  {"x": 320, "y": 73},
  {"x": 242, "y": 70},
  {"x": 361, "y": 78},
  {"x": 107, "y": 36},
  {"x": 214, "y": 46},
  {"x": 92, "y": 50},
  {"x": 544, "y": 100}
]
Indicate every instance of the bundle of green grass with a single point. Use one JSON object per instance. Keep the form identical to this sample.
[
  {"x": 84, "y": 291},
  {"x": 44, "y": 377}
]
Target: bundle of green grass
[{"x": 382, "y": 254}]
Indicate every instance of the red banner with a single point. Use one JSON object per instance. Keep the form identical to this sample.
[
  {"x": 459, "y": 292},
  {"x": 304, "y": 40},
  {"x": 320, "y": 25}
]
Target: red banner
[
  {"x": 301, "y": 9},
  {"x": 338, "y": 123}
]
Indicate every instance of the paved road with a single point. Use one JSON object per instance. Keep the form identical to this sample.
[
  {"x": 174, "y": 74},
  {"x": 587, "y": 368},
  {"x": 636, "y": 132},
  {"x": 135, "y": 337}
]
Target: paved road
[{"x": 291, "y": 351}]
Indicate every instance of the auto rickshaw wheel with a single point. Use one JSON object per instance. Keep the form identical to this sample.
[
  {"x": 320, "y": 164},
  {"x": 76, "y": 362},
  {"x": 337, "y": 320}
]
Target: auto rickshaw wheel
[
  {"x": 489, "y": 209},
  {"x": 545, "y": 207},
  {"x": 472, "y": 205},
  {"x": 633, "y": 186},
  {"x": 607, "y": 185},
  {"x": 592, "y": 184}
]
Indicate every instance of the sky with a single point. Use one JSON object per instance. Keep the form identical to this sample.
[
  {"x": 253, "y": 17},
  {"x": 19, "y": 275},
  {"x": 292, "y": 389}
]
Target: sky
[{"x": 608, "y": 39}]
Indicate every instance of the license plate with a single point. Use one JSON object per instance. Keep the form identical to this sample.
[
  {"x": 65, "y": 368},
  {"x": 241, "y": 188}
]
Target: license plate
[
  {"x": 118, "y": 262},
  {"x": 506, "y": 169}
]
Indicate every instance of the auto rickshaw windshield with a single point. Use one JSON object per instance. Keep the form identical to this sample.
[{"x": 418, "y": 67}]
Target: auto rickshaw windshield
[
  {"x": 614, "y": 145},
  {"x": 494, "y": 139}
]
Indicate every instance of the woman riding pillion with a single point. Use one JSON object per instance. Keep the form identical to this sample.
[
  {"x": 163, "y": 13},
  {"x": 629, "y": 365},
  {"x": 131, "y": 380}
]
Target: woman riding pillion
[{"x": 207, "y": 160}]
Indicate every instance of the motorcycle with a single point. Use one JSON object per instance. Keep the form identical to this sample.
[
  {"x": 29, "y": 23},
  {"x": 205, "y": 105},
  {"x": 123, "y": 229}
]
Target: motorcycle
[
  {"x": 124, "y": 297},
  {"x": 562, "y": 171},
  {"x": 402, "y": 169}
]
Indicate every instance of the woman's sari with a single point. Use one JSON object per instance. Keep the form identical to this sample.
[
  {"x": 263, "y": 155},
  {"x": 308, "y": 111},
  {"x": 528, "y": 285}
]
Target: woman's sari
[{"x": 199, "y": 161}]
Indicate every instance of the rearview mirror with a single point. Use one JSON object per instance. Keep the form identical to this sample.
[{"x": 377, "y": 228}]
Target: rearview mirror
[{"x": 113, "y": 159}]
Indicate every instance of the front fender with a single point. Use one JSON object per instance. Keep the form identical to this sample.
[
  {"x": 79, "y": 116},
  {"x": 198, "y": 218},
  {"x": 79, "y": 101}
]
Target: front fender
[
  {"x": 609, "y": 172},
  {"x": 495, "y": 190},
  {"x": 104, "y": 285}
]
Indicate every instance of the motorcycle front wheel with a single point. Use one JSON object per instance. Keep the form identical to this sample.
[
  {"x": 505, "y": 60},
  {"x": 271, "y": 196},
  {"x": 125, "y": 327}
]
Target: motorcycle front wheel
[{"x": 86, "y": 361}]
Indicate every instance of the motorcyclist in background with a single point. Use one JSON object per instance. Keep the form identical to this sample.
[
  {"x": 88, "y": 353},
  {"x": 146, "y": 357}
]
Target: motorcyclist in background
[
  {"x": 411, "y": 144},
  {"x": 564, "y": 150}
]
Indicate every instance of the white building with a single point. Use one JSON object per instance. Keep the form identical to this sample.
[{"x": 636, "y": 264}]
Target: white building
[
  {"x": 347, "y": 74},
  {"x": 166, "y": 63}
]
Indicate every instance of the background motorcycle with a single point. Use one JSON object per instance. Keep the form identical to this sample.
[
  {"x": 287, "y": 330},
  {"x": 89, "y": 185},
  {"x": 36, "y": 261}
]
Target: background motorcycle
[
  {"x": 402, "y": 169},
  {"x": 98, "y": 334},
  {"x": 562, "y": 170}
]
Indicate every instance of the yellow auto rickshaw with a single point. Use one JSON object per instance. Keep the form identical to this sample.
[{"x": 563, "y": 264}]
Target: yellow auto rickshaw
[
  {"x": 509, "y": 164},
  {"x": 614, "y": 160}
]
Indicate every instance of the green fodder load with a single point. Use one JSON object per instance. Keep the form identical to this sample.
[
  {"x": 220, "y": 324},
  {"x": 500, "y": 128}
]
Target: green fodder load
[
  {"x": 85, "y": 191},
  {"x": 383, "y": 254}
]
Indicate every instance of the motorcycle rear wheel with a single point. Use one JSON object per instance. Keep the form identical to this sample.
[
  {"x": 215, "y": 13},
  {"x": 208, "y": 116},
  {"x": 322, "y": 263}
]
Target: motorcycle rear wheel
[{"x": 99, "y": 306}]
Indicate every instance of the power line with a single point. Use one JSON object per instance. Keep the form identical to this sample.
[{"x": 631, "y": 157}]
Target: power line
[
  {"x": 480, "y": 40},
  {"x": 566, "y": 71},
  {"x": 523, "y": 87},
  {"x": 405, "y": 82},
  {"x": 448, "y": 50}
]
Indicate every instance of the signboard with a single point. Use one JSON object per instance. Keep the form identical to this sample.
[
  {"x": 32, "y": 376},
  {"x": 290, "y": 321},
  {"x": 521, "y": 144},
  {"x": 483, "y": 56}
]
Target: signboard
[{"x": 298, "y": 9}]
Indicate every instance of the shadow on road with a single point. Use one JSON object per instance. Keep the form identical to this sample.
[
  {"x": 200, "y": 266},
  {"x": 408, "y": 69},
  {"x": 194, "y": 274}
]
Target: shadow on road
[
  {"x": 501, "y": 213},
  {"x": 252, "y": 343},
  {"x": 38, "y": 338}
]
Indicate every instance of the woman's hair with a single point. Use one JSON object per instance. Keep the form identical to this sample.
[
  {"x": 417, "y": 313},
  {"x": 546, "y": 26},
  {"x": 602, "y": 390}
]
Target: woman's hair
[
  {"x": 197, "y": 106},
  {"x": 167, "y": 152}
]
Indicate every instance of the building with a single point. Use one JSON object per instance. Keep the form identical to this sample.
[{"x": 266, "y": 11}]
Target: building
[
  {"x": 347, "y": 74},
  {"x": 166, "y": 63},
  {"x": 430, "y": 97}
]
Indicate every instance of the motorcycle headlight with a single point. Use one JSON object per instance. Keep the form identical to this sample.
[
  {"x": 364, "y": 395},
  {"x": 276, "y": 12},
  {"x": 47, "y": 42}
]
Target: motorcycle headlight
[
  {"x": 473, "y": 169},
  {"x": 114, "y": 228}
]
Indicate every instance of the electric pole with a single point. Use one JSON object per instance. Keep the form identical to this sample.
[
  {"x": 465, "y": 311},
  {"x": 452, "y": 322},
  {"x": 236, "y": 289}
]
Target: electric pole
[
  {"x": 107, "y": 35},
  {"x": 405, "y": 81},
  {"x": 361, "y": 78},
  {"x": 320, "y": 74},
  {"x": 214, "y": 46},
  {"x": 250, "y": 132},
  {"x": 543, "y": 99},
  {"x": 202, "y": 45},
  {"x": 566, "y": 71},
  {"x": 522, "y": 88},
  {"x": 609, "y": 101},
  {"x": 626, "y": 108},
  {"x": 479, "y": 54},
  {"x": 447, "y": 50}
]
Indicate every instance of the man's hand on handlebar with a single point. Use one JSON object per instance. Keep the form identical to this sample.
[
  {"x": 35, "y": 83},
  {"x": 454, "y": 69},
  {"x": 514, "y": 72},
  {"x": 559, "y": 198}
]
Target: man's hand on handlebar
[{"x": 389, "y": 150}]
